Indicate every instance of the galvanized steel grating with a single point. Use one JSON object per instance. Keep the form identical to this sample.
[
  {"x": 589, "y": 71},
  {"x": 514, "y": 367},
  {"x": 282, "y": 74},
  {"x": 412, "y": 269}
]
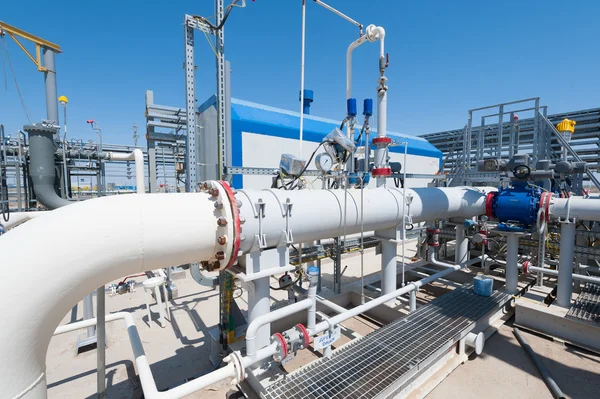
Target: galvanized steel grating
[
  {"x": 587, "y": 305},
  {"x": 368, "y": 366}
]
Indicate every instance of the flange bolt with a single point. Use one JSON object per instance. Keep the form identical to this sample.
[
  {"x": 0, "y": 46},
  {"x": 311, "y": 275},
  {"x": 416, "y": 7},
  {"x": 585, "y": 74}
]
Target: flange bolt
[
  {"x": 222, "y": 240},
  {"x": 222, "y": 221}
]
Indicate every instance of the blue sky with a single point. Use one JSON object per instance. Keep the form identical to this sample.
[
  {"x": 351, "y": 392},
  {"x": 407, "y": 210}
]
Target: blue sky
[{"x": 445, "y": 58}]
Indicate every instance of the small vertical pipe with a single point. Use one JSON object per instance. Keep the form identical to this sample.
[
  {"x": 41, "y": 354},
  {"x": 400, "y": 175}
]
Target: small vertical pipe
[
  {"x": 101, "y": 340},
  {"x": 313, "y": 279},
  {"x": 500, "y": 130},
  {"x": 462, "y": 245},
  {"x": 413, "y": 301},
  {"x": 259, "y": 303},
  {"x": 88, "y": 313},
  {"x": 565, "y": 268},
  {"x": 302, "y": 52},
  {"x": 512, "y": 258}
]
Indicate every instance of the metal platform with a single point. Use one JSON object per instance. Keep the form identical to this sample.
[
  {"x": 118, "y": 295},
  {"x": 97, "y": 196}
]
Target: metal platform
[
  {"x": 383, "y": 362},
  {"x": 587, "y": 305}
]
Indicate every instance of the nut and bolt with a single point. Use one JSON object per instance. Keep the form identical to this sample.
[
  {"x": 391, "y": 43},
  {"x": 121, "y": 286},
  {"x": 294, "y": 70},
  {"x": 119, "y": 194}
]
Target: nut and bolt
[
  {"x": 220, "y": 255},
  {"x": 214, "y": 192},
  {"x": 222, "y": 240},
  {"x": 218, "y": 204},
  {"x": 242, "y": 220},
  {"x": 222, "y": 221},
  {"x": 238, "y": 203}
]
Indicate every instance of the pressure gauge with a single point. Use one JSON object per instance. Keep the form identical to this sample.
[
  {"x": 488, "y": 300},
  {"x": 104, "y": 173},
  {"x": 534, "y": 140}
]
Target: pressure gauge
[{"x": 324, "y": 162}]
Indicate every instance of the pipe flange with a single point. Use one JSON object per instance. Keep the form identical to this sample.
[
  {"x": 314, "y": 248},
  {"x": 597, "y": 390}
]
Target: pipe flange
[
  {"x": 526, "y": 267},
  {"x": 305, "y": 335},
  {"x": 382, "y": 141},
  {"x": 489, "y": 204},
  {"x": 238, "y": 365},
  {"x": 237, "y": 226},
  {"x": 227, "y": 241},
  {"x": 379, "y": 172},
  {"x": 282, "y": 347},
  {"x": 545, "y": 199}
]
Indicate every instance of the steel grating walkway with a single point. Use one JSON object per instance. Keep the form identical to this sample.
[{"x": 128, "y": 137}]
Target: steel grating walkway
[
  {"x": 587, "y": 305},
  {"x": 390, "y": 356}
]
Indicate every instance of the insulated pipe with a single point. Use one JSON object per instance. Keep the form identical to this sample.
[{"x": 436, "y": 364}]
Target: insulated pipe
[
  {"x": 576, "y": 207},
  {"x": 317, "y": 214},
  {"x": 412, "y": 286},
  {"x": 187, "y": 234},
  {"x": 461, "y": 251},
  {"x": 41, "y": 166},
  {"x": 565, "y": 267},
  {"x": 130, "y": 237},
  {"x": 253, "y": 327},
  {"x": 138, "y": 156},
  {"x": 512, "y": 260}
]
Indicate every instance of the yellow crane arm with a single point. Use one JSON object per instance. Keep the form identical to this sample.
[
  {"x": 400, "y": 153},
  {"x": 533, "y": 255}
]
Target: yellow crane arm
[{"x": 38, "y": 41}]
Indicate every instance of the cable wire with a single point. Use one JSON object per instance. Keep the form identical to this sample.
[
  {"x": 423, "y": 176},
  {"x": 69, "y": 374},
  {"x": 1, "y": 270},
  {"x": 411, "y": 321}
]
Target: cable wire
[{"x": 15, "y": 79}]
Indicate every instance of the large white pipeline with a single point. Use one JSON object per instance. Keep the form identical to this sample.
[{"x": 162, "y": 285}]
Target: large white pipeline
[{"x": 135, "y": 233}]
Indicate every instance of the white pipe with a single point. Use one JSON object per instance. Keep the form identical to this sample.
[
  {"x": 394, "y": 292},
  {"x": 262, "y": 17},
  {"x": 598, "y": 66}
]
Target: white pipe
[
  {"x": 251, "y": 332},
  {"x": 565, "y": 267},
  {"x": 461, "y": 251},
  {"x": 17, "y": 218},
  {"x": 324, "y": 325},
  {"x": 347, "y": 18},
  {"x": 321, "y": 214},
  {"x": 130, "y": 237},
  {"x": 134, "y": 233},
  {"x": 144, "y": 371},
  {"x": 138, "y": 156},
  {"x": 576, "y": 207},
  {"x": 302, "y": 53},
  {"x": 312, "y": 297},
  {"x": 351, "y": 48}
]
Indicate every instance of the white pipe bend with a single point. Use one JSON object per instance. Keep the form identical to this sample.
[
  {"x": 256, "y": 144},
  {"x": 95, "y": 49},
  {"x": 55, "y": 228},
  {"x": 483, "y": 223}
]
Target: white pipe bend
[{"x": 138, "y": 156}]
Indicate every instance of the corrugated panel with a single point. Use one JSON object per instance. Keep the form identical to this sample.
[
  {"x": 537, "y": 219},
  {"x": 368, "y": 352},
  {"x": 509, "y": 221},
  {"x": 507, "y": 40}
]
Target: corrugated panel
[{"x": 385, "y": 358}]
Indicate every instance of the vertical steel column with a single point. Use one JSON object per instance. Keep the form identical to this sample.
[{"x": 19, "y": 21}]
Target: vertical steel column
[
  {"x": 151, "y": 147},
  {"x": 221, "y": 106},
  {"x": 101, "y": 341},
  {"x": 50, "y": 81},
  {"x": 538, "y": 141},
  {"x": 511, "y": 140},
  {"x": 500, "y": 130},
  {"x": 512, "y": 259},
  {"x": 191, "y": 167},
  {"x": 467, "y": 145},
  {"x": 481, "y": 140},
  {"x": 228, "y": 162},
  {"x": 565, "y": 268},
  {"x": 389, "y": 252},
  {"x": 88, "y": 313},
  {"x": 461, "y": 252},
  {"x": 259, "y": 303}
]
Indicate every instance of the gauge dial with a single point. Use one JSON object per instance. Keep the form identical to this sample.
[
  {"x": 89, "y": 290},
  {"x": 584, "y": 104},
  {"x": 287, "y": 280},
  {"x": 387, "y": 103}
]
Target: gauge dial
[{"x": 324, "y": 162}]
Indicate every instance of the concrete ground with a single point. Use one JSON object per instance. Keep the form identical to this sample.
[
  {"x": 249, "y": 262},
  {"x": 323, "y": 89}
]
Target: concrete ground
[
  {"x": 180, "y": 350},
  {"x": 504, "y": 370}
]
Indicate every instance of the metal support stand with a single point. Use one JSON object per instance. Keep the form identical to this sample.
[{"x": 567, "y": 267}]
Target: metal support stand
[
  {"x": 86, "y": 342},
  {"x": 461, "y": 251},
  {"x": 101, "y": 347},
  {"x": 413, "y": 301},
  {"x": 565, "y": 268},
  {"x": 512, "y": 260}
]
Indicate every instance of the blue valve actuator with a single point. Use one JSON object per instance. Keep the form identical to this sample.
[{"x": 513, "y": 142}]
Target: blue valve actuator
[
  {"x": 368, "y": 107},
  {"x": 351, "y": 106}
]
